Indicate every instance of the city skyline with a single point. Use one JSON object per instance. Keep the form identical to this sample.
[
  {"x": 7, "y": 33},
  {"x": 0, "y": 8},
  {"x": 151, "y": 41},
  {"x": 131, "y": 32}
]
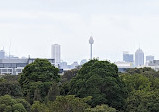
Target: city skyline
[
  {"x": 56, "y": 54},
  {"x": 116, "y": 26}
]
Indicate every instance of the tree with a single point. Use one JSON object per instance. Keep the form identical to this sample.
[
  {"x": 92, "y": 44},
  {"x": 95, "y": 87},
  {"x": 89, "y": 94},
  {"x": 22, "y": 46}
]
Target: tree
[
  {"x": 101, "y": 108},
  {"x": 9, "y": 85},
  {"x": 37, "y": 78},
  {"x": 39, "y": 107},
  {"x": 68, "y": 75},
  {"x": 100, "y": 80},
  {"x": 65, "y": 79},
  {"x": 136, "y": 82},
  {"x": 143, "y": 93},
  {"x": 143, "y": 101},
  {"x": 9, "y": 104},
  {"x": 25, "y": 104},
  {"x": 53, "y": 92},
  {"x": 146, "y": 71},
  {"x": 69, "y": 103},
  {"x": 19, "y": 108}
]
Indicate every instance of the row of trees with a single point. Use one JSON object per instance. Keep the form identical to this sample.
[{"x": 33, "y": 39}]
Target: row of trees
[{"x": 96, "y": 87}]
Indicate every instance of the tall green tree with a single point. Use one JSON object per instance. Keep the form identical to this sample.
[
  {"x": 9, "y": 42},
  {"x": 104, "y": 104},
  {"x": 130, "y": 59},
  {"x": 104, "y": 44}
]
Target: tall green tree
[
  {"x": 100, "y": 80},
  {"x": 37, "y": 78}
]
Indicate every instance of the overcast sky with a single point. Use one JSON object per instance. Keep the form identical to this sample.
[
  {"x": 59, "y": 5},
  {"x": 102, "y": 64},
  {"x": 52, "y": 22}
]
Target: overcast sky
[{"x": 31, "y": 26}]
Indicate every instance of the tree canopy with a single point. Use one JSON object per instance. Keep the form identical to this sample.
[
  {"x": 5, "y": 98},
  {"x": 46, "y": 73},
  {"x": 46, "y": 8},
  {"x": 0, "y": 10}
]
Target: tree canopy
[
  {"x": 100, "y": 80},
  {"x": 37, "y": 78},
  {"x": 69, "y": 103},
  {"x": 9, "y": 104}
]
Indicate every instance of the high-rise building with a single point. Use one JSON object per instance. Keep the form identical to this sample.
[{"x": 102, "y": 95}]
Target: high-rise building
[
  {"x": 149, "y": 58},
  {"x": 56, "y": 53},
  {"x": 127, "y": 57},
  {"x": 139, "y": 58},
  {"x": 2, "y": 54}
]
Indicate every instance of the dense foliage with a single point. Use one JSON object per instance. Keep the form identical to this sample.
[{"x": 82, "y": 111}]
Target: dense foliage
[
  {"x": 143, "y": 87},
  {"x": 96, "y": 87},
  {"x": 100, "y": 80},
  {"x": 101, "y": 108},
  {"x": 8, "y": 104},
  {"x": 9, "y": 85},
  {"x": 37, "y": 79}
]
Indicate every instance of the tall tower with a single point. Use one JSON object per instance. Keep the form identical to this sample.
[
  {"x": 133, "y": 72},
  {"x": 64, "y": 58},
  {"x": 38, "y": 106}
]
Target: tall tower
[
  {"x": 56, "y": 53},
  {"x": 91, "y": 42},
  {"x": 139, "y": 58}
]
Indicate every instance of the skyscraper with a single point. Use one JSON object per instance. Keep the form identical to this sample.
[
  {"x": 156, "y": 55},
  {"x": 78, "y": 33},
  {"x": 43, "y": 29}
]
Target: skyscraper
[
  {"x": 56, "y": 53},
  {"x": 139, "y": 58},
  {"x": 127, "y": 57}
]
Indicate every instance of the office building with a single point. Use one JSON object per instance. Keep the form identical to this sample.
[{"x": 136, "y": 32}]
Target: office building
[
  {"x": 15, "y": 66},
  {"x": 139, "y": 58},
  {"x": 2, "y": 54},
  {"x": 149, "y": 58},
  {"x": 56, "y": 53},
  {"x": 123, "y": 66},
  {"x": 127, "y": 57}
]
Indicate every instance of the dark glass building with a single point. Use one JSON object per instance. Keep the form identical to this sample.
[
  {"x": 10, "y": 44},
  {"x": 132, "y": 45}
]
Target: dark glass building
[{"x": 128, "y": 57}]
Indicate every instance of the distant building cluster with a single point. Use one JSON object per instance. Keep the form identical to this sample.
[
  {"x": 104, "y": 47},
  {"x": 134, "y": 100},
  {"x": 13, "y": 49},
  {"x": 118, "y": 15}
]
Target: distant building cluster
[
  {"x": 4, "y": 56},
  {"x": 14, "y": 65},
  {"x": 65, "y": 66},
  {"x": 139, "y": 61},
  {"x": 56, "y": 54}
]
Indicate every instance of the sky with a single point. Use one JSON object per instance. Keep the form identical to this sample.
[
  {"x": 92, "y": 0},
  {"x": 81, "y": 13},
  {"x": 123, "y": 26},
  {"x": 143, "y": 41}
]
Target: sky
[{"x": 30, "y": 27}]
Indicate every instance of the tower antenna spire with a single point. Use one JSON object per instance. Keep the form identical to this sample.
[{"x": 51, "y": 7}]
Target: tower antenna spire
[{"x": 91, "y": 42}]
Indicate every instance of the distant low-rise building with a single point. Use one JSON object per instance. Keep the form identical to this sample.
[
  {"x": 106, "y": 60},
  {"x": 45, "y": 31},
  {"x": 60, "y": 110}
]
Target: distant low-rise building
[
  {"x": 123, "y": 66},
  {"x": 149, "y": 58},
  {"x": 74, "y": 65},
  {"x": 15, "y": 66},
  {"x": 63, "y": 65}
]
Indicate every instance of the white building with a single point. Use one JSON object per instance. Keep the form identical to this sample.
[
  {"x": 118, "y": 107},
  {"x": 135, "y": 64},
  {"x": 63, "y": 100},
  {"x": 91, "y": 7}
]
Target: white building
[
  {"x": 56, "y": 53},
  {"x": 123, "y": 66},
  {"x": 15, "y": 66}
]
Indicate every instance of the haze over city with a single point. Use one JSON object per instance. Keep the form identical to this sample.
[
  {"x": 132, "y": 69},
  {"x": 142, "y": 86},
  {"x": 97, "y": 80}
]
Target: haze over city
[{"x": 30, "y": 27}]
